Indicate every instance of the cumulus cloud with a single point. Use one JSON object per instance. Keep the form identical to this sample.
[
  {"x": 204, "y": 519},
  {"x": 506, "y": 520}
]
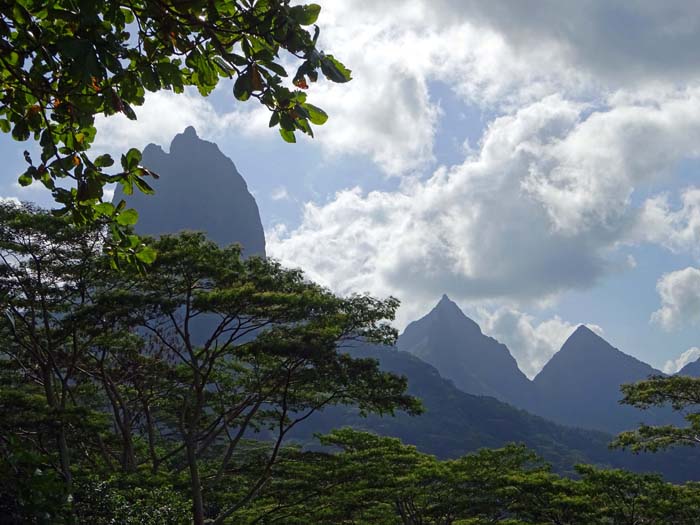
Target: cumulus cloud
[
  {"x": 675, "y": 228},
  {"x": 618, "y": 42},
  {"x": 585, "y": 113},
  {"x": 496, "y": 54},
  {"x": 680, "y": 298},
  {"x": 500, "y": 55},
  {"x": 531, "y": 343},
  {"x": 675, "y": 365},
  {"x": 543, "y": 207}
]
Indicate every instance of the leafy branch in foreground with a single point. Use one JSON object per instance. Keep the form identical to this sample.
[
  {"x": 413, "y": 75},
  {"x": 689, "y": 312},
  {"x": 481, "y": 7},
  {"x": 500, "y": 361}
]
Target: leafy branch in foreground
[
  {"x": 679, "y": 392},
  {"x": 62, "y": 62}
]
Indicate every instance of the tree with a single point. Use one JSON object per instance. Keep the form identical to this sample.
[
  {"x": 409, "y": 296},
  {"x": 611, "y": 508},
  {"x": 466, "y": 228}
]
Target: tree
[
  {"x": 45, "y": 270},
  {"x": 188, "y": 378},
  {"x": 681, "y": 393},
  {"x": 62, "y": 62},
  {"x": 624, "y": 497}
]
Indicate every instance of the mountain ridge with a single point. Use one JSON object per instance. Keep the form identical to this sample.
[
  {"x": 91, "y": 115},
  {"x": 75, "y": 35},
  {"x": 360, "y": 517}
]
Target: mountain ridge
[{"x": 578, "y": 386}]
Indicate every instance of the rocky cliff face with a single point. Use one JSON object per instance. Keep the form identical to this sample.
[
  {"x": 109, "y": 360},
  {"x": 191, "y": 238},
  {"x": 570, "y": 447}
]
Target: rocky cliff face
[{"x": 199, "y": 189}]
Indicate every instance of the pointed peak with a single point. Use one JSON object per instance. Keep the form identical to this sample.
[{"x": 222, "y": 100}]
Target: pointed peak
[
  {"x": 446, "y": 308},
  {"x": 445, "y": 300},
  {"x": 583, "y": 329},
  {"x": 583, "y": 339},
  {"x": 190, "y": 132},
  {"x": 447, "y": 304},
  {"x": 583, "y": 332}
]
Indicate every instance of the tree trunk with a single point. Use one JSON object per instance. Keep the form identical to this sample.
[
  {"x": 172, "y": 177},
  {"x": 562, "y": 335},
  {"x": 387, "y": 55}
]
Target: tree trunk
[{"x": 197, "y": 500}]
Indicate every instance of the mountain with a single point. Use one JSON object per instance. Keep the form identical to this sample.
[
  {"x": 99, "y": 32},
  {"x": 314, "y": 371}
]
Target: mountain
[
  {"x": 455, "y": 423},
  {"x": 199, "y": 189},
  {"x": 580, "y": 385},
  {"x": 691, "y": 369},
  {"x": 476, "y": 363}
]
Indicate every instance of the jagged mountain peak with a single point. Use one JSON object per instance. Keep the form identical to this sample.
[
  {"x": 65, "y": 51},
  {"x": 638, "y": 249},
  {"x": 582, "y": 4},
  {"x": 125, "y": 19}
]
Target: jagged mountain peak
[
  {"x": 455, "y": 345},
  {"x": 447, "y": 311},
  {"x": 199, "y": 189}
]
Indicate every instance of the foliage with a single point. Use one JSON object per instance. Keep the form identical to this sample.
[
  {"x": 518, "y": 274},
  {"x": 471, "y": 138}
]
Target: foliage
[
  {"x": 171, "y": 373},
  {"x": 681, "y": 393},
  {"x": 63, "y": 62},
  {"x": 368, "y": 479},
  {"x": 169, "y": 397}
]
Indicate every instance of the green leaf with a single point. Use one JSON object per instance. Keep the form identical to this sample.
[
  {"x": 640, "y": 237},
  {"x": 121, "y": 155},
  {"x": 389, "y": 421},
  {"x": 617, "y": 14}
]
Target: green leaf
[
  {"x": 131, "y": 160},
  {"x": 128, "y": 217},
  {"x": 21, "y": 131},
  {"x": 25, "y": 179},
  {"x": 143, "y": 186},
  {"x": 306, "y": 15},
  {"x": 288, "y": 136},
  {"x": 146, "y": 255},
  {"x": 334, "y": 70},
  {"x": 104, "y": 161},
  {"x": 316, "y": 115},
  {"x": 242, "y": 87},
  {"x": 104, "y": 208}
]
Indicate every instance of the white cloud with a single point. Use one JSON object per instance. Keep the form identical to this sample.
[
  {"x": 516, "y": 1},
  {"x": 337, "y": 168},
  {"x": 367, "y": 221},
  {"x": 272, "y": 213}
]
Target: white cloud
[
  {"x": 677, "y": 229},
  {"x": 675, "y": 365},
  {"x": 543, "y": 207},
  {"x": 531, "y": 343},
  {"x": 499, "y": 55},
  {"x": 619, "y": 43},
  {"x": 680, "y": 298}
]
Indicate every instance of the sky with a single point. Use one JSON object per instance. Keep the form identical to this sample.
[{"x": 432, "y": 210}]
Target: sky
[{"x": 536, "y": 161}]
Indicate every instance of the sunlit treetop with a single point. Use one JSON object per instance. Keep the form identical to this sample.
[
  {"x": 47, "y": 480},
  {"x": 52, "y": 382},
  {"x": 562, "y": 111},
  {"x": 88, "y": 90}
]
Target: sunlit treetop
[{"x": 62, "y": 62}]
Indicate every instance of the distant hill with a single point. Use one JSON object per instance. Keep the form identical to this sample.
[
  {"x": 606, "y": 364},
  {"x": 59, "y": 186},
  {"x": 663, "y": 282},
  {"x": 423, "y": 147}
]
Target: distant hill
[
  {"x": 476, "y": 363},
  {"x": 199, "y": 189},
  {"x": 580, "y": 385},
  {"x": 456, "y": 423},
  {"x": 691, "y": 369}
]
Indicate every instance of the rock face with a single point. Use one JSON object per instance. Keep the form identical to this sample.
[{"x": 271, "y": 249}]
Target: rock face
[
  {"x": 476, "y": 363},
  {"x": 199, "y": 189},
  {"x": 580, "y": 385}
]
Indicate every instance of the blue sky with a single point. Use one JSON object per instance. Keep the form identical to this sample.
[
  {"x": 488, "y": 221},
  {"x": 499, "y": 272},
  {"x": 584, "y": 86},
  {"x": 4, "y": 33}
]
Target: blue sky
[{"x": 541, "y": 172}]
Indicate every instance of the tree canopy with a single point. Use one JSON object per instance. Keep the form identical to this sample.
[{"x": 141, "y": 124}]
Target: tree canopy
[
  {"x": 63, "y": 62},
  {"x": 192, "y": 375},
  {"x": 680, "y": 393}
]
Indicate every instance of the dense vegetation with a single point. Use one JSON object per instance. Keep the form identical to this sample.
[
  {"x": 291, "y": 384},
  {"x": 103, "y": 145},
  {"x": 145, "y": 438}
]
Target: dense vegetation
[
  {"x": 168, "y": 394},
  {"x": 167, "y": 397}
]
